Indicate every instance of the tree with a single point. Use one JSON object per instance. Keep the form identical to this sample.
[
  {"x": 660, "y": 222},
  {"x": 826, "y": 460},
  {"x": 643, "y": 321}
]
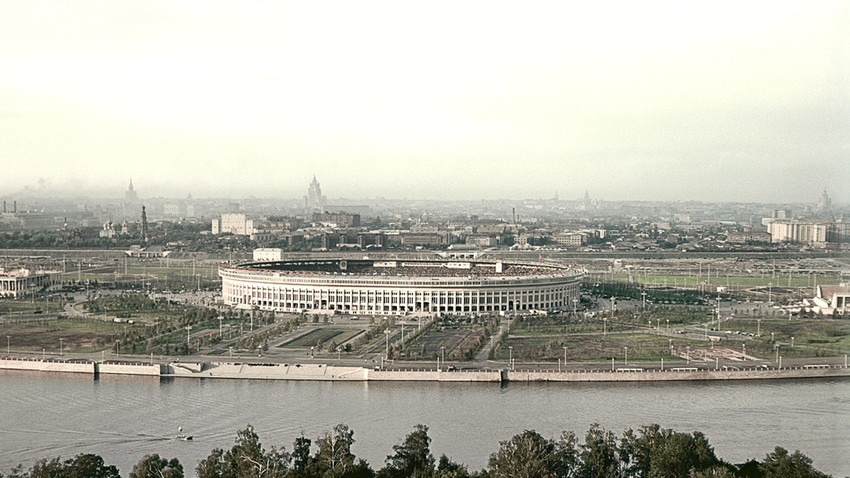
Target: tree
[
  {"x": 301, "y": 459},
  {"x": 152, "y": 466},
  {"x": 247, "y": 459},
  {"x": 212, "y": 466},
  {"x": 446, "y": 468},
  {"x": 412, "y": 458},
  {"x": 780, "y": 464},
  {"x": 682, "y": 453},
  {"x": 334, "y": 457},
  {"x": 524, "y": 456},
  {"x": 599, "y": 454},
  {"x": 81, "y": 466},
  {"x": 90, "y": 466}
]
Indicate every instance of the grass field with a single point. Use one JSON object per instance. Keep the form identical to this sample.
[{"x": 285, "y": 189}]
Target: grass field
[
  {"x": 656, "y": 280},
  {"x": 77, "y": 335},
  {"x": 592, "y": 347},
  {"x": 321, "y": 335}
]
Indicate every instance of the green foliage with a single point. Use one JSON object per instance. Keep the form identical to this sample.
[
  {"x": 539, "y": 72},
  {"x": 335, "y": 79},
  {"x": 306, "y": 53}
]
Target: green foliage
[
  {"x": 247, "y": 459},
  {"x": 152, "y": 466},
  {"x": 781, "y": 464},
  {"x": 529, "y": 455},
  {"x": 412, "y": 458},
  {"x": 81, "y": 466},
  {"x": 649, "y": 452}
]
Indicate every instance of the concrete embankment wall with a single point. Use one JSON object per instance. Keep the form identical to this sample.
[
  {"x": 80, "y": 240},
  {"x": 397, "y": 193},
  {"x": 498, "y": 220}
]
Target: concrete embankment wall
[
  {"x": 128, "y": 369},
  {"x": 671, "y": 375},
  {"x": 46, "y": 365},
  {"x": 433, "y": 376},
  {"x": 271, "y": 371},
  {"x": 79, "y": 366}
]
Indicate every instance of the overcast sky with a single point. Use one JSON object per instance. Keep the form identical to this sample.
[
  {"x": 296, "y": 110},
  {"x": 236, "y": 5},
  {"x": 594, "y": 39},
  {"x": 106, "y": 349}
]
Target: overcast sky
[{"x": 738, "y": 101}]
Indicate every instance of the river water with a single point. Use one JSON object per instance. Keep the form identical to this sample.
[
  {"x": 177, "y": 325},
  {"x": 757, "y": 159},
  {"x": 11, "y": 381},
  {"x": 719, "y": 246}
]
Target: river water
[{"x": 123, "y": 418}]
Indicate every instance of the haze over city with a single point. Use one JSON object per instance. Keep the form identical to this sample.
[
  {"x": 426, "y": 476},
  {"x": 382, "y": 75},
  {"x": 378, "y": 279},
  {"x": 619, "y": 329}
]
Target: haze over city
[{"x": 717, "y": 101}]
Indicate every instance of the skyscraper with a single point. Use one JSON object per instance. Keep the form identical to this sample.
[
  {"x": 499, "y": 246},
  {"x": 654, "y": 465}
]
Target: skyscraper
[{"x": 314, "y": 201}]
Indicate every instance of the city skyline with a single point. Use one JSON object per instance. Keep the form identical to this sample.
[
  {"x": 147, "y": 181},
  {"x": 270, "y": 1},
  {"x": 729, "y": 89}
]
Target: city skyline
[{"x": 657, "y": 101}]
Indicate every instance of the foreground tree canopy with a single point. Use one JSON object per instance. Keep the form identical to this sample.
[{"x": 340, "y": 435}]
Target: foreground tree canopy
[{"x": 649, "y": 452}]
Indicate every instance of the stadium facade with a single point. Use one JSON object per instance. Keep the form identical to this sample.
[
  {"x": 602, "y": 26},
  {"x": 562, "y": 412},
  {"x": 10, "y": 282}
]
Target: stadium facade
[{"x": 390, "y": 287}]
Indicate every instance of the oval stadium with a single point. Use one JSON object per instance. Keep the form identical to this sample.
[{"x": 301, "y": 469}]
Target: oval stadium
[{"x": 393, "y": 287}]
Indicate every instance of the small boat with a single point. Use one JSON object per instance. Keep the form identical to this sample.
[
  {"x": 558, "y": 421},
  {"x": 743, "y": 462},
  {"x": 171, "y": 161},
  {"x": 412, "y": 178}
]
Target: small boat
[{"x": 181, "y": 436}]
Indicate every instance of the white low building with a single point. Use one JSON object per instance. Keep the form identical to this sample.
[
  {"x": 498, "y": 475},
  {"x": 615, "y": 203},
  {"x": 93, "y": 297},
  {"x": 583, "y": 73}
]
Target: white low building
[
  {"x": 832, "y": 299},
  {"x": 23, "y": 281}
]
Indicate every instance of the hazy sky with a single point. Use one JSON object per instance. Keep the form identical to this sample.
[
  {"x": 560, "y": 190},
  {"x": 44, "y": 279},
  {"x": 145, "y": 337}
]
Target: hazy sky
[{"x": 739, "y": 101}]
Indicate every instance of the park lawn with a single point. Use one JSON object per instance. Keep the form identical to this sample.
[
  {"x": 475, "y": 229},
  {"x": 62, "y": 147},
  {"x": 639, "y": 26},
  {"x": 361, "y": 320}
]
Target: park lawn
[
  {"x": 594, "y": 347},
  {"x": 10, "y": 307},
  {"x": 745, "y": 281},
  {"x": 78, "y": 335},
  {"x": 323, "y": 335},
  {"x": 831, "y": 335}
]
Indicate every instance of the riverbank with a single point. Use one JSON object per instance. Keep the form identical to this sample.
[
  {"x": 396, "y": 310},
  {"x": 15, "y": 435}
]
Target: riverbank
[{"x": 324, "y": 372}]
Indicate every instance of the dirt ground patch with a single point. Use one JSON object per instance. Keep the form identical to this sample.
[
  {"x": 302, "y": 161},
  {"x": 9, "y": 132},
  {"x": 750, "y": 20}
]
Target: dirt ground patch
[{"x": 35, "y": 338}]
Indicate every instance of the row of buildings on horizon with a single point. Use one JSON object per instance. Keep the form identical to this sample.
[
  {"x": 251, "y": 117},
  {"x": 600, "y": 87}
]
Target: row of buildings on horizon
[{"x": 364, "y": 224}]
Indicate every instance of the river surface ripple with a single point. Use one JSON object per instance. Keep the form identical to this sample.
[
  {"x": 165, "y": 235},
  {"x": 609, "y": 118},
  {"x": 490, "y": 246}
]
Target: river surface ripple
[{"x": 123, "y": 418}]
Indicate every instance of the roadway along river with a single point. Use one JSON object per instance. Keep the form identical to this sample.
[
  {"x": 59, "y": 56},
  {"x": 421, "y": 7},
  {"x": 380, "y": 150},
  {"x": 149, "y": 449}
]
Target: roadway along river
[{"x": 123, "y": 418}]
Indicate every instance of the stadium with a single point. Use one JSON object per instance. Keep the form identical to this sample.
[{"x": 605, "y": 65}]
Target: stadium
[{"x": 392, "y": 287}]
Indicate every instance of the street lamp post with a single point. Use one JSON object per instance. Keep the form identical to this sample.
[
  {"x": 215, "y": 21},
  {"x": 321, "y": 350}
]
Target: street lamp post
[
  {"x": 117, "y": 347},
  {"x": 60, "y": 346},
  {"x": 387, "y": 332},
  {"x": 688, "y": 354},
  {"x": 626, "y": 356},
  {"x": 668, "y": 325},
  {"x": 604, "y": 326},
  {"x": 565, "y": 356},
  {"x": 643, "y": 295},
  {"x": 7, "y": 344},
  {"x": 511, "y": 357},
  {"x": 443, "y": 354}
]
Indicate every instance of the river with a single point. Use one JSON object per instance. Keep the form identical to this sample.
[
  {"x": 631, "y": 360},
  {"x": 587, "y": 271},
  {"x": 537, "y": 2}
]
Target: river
[{"x": 123, "y": 418}]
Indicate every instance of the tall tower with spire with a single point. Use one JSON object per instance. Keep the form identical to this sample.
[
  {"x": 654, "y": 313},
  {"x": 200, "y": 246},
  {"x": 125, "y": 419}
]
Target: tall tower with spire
[
  {"x": 314, "y": 201},
  {"x": 131, "y": 200},
  {"x": 143, "y": 230}
]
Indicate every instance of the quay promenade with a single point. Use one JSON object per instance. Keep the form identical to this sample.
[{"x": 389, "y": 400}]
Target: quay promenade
[{"x": 326, "y": 372}]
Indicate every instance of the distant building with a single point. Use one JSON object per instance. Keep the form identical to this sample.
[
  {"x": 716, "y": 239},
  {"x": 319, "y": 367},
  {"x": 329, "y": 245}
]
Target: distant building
[
  {"x": 428, "y": 240},
  {"x": 570, "y": 239},
  {"x": 314, "y": 201},
  {"x": 23, "y": 281},
  {"x": 268, "y": 254},
  {"x": 824, "y": 202},
  {"x": 751, "y": 236},
  {"x": 108, "y": 230},
  {"x": 237, "y": 224},
  {"x": 147, "y": 252},
  {"x": 482, "y": 240},
  {"x": 832, "y": 299},
  {"x": 339, "y": 219},
  {"x": 131, "y": 201}
]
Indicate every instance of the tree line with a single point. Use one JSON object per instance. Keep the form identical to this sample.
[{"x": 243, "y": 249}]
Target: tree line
[{"x": 649, "y": 452}]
